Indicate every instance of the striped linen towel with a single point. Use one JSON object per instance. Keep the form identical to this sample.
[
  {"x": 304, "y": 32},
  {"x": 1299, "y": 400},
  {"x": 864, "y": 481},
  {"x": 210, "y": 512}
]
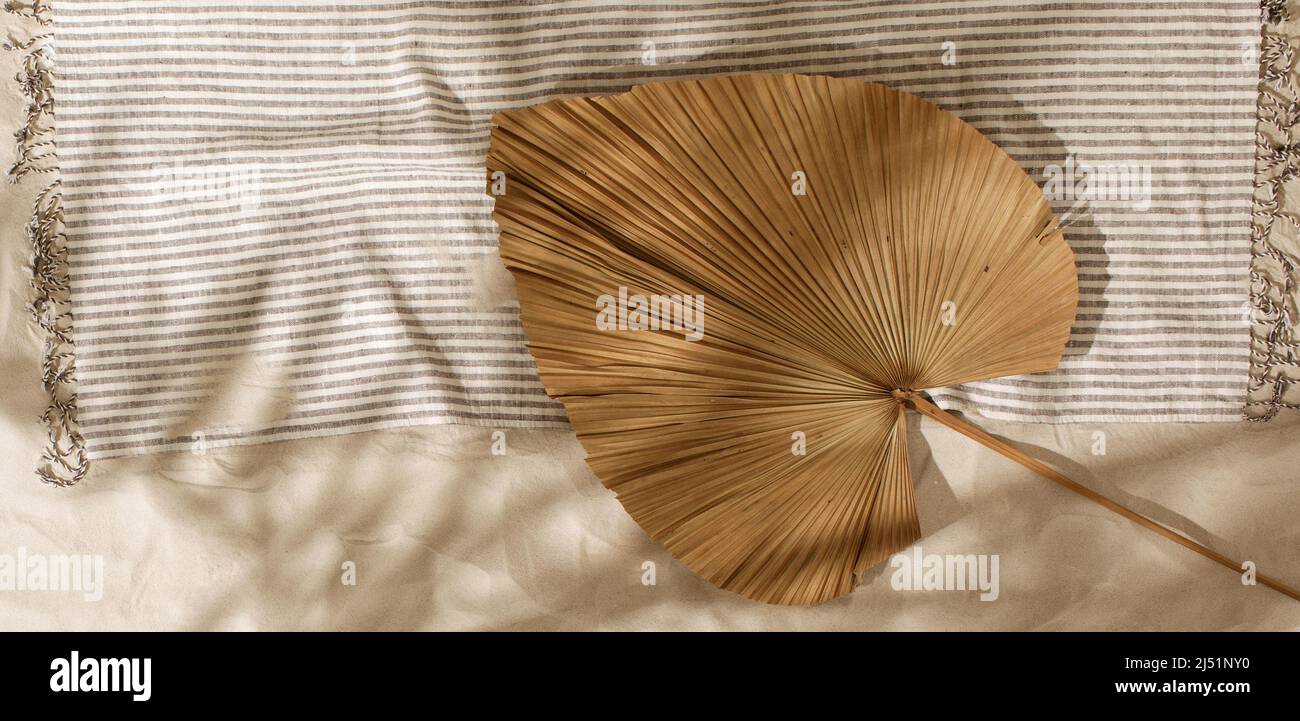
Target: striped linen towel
[{"x": 294, "y": 191}]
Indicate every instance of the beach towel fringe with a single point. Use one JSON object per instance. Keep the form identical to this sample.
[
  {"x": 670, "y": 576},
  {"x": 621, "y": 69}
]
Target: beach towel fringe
[
  {"x": 1273, "y": 12},
  {"x": 64, "y": 460},
  {"x": 38, "y": 10},
  {"x": 1274, "y": 294}
]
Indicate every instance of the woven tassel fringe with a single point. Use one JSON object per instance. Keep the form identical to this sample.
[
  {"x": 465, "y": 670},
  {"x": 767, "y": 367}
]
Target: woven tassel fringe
[
  {"x": 1275, "y": 265},
  {"x": 64, "y": 462}
]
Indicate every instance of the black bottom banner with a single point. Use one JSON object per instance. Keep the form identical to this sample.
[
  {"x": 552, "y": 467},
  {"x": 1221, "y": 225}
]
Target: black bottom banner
[{"x": 207, "y": 672}]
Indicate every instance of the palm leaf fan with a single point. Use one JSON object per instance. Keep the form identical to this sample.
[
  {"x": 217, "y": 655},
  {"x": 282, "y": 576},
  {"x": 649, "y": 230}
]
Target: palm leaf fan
[{"x": 736, "y": 286}]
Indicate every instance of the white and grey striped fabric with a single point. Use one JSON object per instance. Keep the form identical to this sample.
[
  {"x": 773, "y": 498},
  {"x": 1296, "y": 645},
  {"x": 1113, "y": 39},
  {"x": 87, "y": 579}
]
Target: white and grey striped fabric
[{"x": 297, "y": 186}]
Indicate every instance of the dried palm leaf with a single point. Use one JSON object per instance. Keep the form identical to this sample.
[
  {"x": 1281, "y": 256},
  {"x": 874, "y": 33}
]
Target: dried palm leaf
[{"x": 800, "y": 256}]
